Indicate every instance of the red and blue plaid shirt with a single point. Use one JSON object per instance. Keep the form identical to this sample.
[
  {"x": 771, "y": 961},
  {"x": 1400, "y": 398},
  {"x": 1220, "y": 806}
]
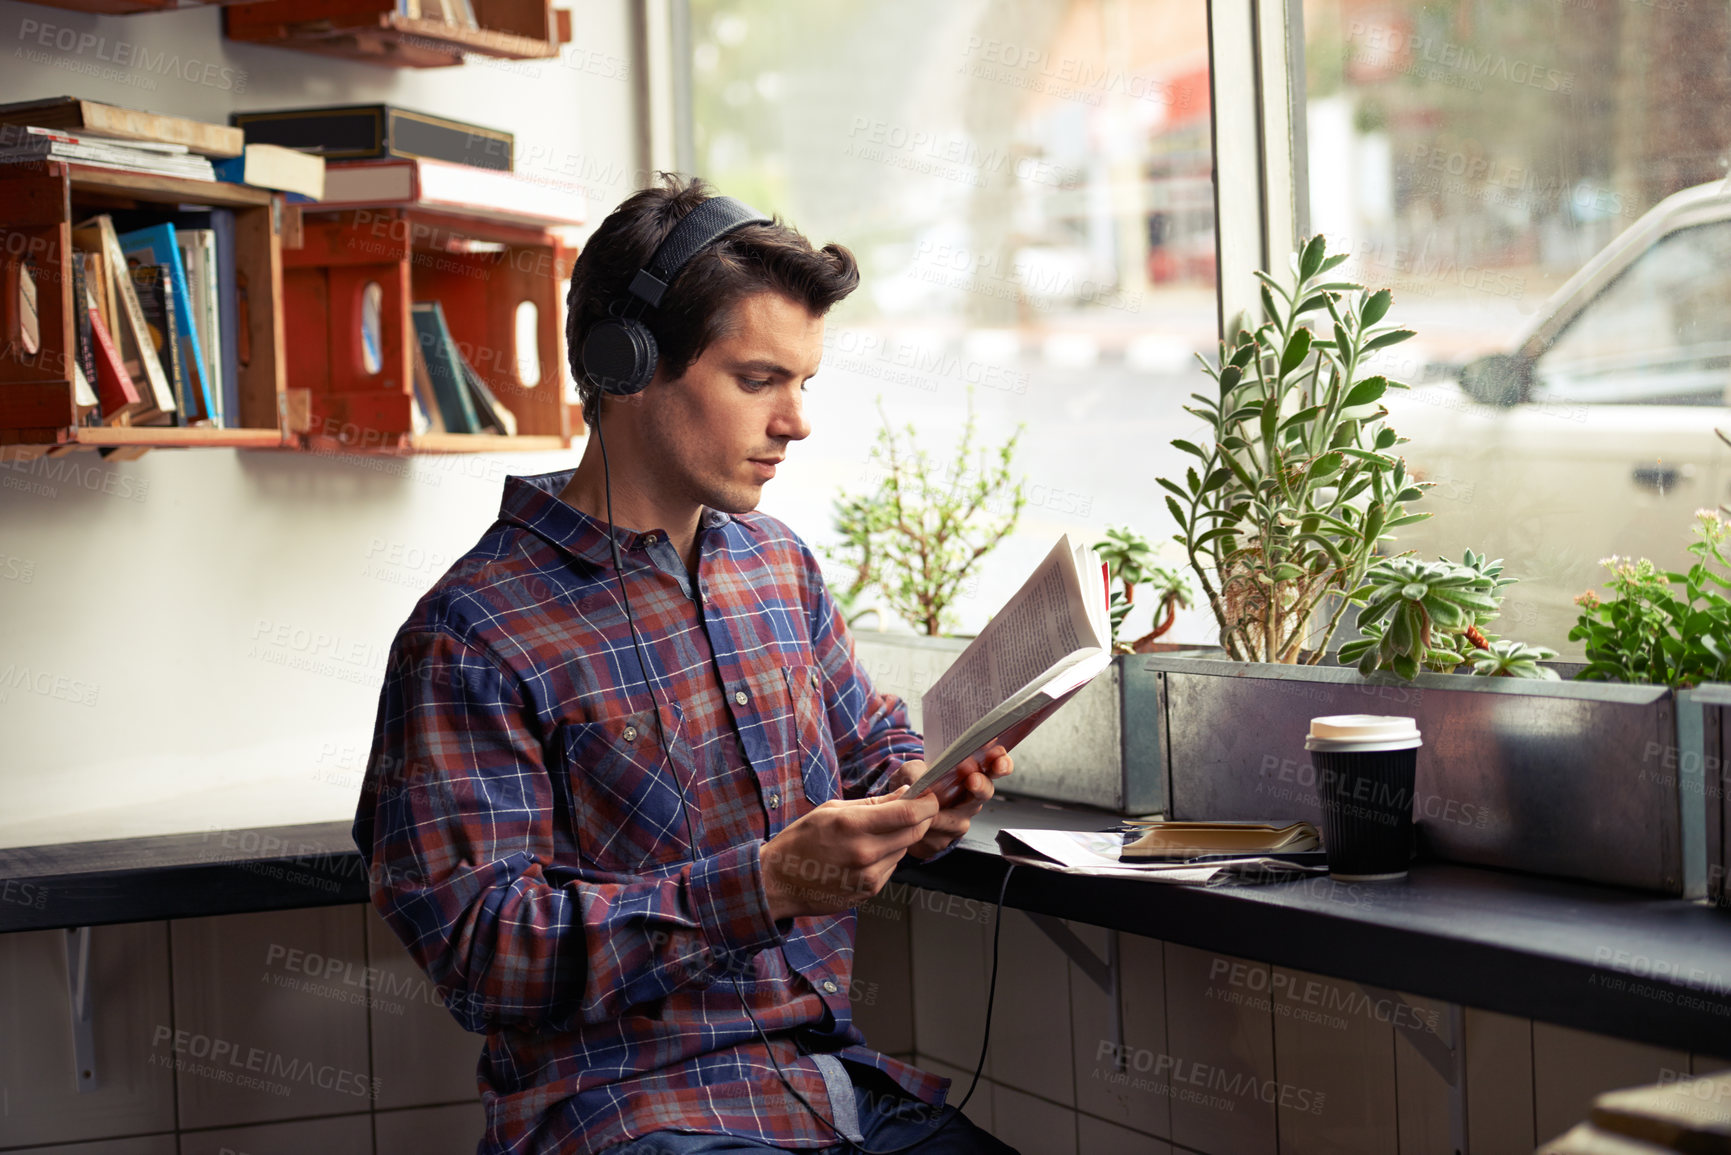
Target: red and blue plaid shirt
[{"x": 527, "y": 843}]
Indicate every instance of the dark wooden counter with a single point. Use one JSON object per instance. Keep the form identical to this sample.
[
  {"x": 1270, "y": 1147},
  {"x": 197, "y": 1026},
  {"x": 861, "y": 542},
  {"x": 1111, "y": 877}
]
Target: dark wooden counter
[{"x": 1621, "y": 963}]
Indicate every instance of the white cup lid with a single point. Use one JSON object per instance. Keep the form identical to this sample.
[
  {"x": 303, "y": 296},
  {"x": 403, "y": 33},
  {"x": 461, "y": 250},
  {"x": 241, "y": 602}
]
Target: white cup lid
[{"x": 1364, "y": 728}]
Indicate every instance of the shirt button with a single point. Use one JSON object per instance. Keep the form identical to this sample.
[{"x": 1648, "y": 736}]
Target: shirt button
[
  {"x": 630, "y": 734},
  {"x": 774, "y": 801},
  {"x": 649, "y": 539},
  {"x": 739, "y": 696},
  {"x": 829, "y": 986}
]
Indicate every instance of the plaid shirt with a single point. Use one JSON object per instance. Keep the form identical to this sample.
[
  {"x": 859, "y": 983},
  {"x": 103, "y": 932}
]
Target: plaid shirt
[{"x": 527, "y": 844}]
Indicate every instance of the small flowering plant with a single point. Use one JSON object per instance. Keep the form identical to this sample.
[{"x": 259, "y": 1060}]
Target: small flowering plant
[{"x": 1658, "y": 627}]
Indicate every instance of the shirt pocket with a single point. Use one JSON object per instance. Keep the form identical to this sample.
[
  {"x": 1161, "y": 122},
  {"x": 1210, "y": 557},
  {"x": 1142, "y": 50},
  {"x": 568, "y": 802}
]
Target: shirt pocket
[
  {"x": 625, "y": 797},
  {"x": 817, "y": 758}
]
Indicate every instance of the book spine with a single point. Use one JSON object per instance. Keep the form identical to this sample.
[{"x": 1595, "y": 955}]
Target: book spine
[
  {"x": 228, "y": 311},
  {"x": 154, "y": 290},
  {"x": 114, "y": 385},
  {"x": 443, "y": 368}
]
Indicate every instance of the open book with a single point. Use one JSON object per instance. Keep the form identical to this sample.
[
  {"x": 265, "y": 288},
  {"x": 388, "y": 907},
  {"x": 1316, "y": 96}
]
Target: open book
[{"x": 1048, "y": 641}]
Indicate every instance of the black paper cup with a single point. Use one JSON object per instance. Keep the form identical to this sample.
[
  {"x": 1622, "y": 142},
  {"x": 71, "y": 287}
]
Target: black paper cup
[{"x": 1366, "y": 767}]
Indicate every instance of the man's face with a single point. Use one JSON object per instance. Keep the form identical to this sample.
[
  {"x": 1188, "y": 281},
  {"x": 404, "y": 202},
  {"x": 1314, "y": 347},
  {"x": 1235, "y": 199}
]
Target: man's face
[{"x": 720, "y": 429}]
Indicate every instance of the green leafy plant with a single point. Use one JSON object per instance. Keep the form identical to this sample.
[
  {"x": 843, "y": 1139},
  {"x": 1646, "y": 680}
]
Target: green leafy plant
[
  {"x": 1430, "y": 615},
  {"x": 1658, "y": 627},
  {"x": 1130, "y": 563},
  {"x": 914, "y": 540},
  {"x": 1286, "y": 506}
]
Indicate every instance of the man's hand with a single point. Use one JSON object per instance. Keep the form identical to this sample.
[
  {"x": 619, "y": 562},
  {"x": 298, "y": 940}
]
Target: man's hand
[
  {"x": 960, "y": 796},
  {"x": 841, "y": 854}
]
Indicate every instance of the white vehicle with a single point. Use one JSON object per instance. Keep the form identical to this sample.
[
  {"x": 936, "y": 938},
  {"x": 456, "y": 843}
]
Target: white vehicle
[{"x": 1595, "y": 436}]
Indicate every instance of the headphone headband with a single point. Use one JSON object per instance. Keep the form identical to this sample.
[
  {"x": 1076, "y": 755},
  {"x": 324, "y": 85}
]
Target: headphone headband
[{"x": 696, "y": 231}]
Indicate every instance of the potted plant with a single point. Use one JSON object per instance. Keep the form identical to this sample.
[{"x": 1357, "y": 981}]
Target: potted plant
[
  {"x": 1674, "y": 629},
  {"x": 1287, "y": 502},
  {"x": 1282, "y": 516},
  {"x": 915, "y": 539},
  {"x": 1130, "y": 565}
]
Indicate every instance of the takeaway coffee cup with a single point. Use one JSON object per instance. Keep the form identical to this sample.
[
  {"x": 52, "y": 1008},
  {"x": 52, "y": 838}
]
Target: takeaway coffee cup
[{"x": 1365, "y": 769}]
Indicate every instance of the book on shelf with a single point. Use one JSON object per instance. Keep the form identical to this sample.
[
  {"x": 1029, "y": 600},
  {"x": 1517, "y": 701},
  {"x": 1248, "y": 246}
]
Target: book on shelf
[
  {"x": 132, "y": 337},
  {"x": 494, "y": 417},
  {"x": 116, "y": 392},
  {"x": 1182, "y": 840},
  {"x": 451, "y": 188},
  {"x": 444, "y": 368},
  {"x": 274, "y": 167},
  {"x": 424, "y": 414},
  {"x": 79, "y": 117},
  {"x": 1050, "y": 639},
  {"x": 155, "y": 289},
  {"x": 82, "y": 353},
  {"x": 379, "y": 131},
  {"x": 97, "y": 284},
  {"x": 156, "y": 245},
  {"x": 20, "y": 143},
  {"x": 198, "y": 259},
  {"x": 229, "y": 351}
]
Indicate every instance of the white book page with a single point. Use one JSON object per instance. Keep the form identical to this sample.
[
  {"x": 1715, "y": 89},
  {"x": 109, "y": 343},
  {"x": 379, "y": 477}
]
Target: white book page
[{"x": 1048, "y": 620}]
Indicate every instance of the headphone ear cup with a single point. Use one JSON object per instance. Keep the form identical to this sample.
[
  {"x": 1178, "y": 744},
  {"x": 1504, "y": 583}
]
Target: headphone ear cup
[{"x": 619, "y": 356}]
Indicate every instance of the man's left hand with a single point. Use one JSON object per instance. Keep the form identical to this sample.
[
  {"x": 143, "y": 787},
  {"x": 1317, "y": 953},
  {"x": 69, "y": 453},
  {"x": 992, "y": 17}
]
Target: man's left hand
[{"x": 961, "y": 795}]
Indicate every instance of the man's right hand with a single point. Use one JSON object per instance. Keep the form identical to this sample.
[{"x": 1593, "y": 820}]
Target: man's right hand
[{"x": 841, "y": 854}]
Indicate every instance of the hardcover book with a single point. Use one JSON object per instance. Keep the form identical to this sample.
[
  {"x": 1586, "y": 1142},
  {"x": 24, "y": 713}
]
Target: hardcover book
[
  {"x": 444, "y": 368},
  {"x": 372, "y": 131}
]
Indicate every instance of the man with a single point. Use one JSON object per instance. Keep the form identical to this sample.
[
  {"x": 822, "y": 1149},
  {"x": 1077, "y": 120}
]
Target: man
[{"x": 621, "y": 814}]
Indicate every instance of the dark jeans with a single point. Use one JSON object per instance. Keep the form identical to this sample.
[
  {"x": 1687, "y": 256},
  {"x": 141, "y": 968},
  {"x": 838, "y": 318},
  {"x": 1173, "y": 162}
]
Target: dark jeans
[{"x": 888, "y": 1117}]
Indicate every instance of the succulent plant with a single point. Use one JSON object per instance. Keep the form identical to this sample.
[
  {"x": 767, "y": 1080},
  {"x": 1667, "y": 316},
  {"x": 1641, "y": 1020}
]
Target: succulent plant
[
  {"x": 1130, "y": 563},
  {"x": 1423, "y": 614},
  {"x": 1507, "y": 658}
]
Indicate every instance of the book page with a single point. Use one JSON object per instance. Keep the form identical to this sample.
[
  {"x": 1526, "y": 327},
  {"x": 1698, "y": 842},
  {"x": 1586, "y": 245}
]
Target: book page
[{"x": 1046, "y": 621}]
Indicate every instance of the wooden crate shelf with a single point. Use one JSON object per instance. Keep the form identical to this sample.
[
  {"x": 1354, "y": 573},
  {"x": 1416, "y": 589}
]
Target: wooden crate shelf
[
  {"x": 373, "y": 31},
  {"x": 39, "y": 204},
  {"x": 412, "y": 256},
  {"x": 415, "y": 443}
]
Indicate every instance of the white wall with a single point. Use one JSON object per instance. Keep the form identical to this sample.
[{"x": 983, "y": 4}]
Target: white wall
[{"x": 197, "y": 638}]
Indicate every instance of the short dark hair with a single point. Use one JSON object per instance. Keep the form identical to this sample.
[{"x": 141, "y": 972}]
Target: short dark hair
[{"x": 700, "y": 302}]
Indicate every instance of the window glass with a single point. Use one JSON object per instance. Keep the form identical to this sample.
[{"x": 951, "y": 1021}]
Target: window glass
[
  {"x": 1027, "y": 189},
  {"x": 1476, "y": 155},
  {"x": 1660, "y": 334}
]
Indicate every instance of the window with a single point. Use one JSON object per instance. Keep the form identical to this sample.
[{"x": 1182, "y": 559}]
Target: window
[
  {"x": 1475, "y": 157},
  {"x": 1027, "y": 188}
]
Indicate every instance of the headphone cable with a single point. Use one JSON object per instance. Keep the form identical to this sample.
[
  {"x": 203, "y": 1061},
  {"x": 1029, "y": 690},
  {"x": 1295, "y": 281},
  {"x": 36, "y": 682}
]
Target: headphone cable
[
  {"x": 985, "y": 1042},
  {"x": 636, "y": 641},
  {"x": 691, "y": 841}
]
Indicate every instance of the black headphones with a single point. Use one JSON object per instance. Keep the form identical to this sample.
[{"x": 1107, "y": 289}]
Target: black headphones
[{"x": 619, "y": 353}]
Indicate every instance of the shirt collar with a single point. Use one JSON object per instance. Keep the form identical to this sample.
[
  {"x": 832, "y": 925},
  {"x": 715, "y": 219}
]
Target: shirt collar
[{"x": 533, "y": 503}]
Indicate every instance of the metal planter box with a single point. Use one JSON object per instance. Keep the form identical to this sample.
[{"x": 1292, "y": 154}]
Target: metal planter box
[
  {"x": 1567, "y": 778},
  {"x": 1102, "y": 749},
  {"x": 1700, "y": 768}
]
